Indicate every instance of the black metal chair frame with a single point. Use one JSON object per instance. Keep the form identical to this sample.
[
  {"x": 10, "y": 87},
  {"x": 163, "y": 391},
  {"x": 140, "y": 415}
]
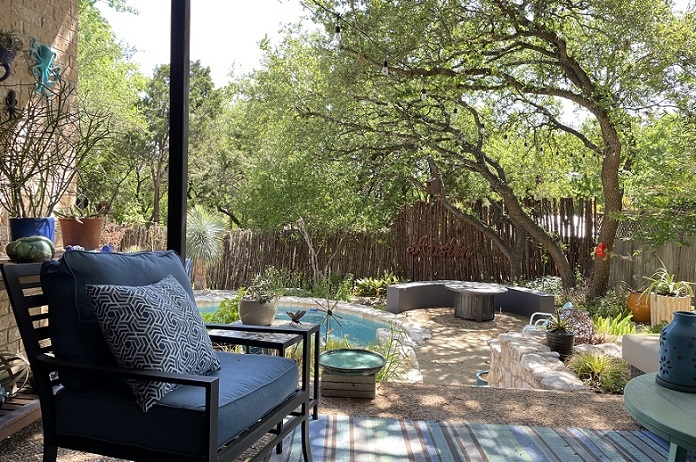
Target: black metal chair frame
[{"x": 31, "y": 314}]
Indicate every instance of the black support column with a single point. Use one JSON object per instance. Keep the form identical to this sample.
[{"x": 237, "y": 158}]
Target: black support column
[{"x": 178, "y": 125}]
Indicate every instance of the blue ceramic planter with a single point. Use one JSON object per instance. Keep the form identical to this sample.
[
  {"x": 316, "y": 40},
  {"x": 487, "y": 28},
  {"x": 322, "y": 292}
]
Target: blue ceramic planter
[
  {"x": 678, "y": 353},
  {"x": 25, "y": 227}
]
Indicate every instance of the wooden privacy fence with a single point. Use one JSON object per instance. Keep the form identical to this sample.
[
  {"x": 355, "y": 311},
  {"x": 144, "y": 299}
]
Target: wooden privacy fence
[
  {"x": 425, "y": 242},
  {"x": 629, "y": 266}
]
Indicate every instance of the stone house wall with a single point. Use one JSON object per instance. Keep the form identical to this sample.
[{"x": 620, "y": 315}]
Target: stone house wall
[{"x": 52, "y": 23}]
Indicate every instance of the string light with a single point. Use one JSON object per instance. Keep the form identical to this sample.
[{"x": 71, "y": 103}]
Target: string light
[
  {"x": 454, "y": 113},
  {"x": 337, "y": 34},
  {"x": 423, "y": 94},
  {"x": 385, "y": 67}
]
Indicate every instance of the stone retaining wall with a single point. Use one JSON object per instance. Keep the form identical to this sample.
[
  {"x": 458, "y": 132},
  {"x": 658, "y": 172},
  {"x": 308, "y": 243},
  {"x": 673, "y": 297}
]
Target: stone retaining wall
[{"x": 521, "y": 360}]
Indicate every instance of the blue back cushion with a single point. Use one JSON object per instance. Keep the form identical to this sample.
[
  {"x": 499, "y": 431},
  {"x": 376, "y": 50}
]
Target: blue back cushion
[{"x": 75, "y": 333}]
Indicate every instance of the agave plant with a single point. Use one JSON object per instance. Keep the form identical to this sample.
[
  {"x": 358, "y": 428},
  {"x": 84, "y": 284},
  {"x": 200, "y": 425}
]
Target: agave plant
[{"x": 203, "y": 241}]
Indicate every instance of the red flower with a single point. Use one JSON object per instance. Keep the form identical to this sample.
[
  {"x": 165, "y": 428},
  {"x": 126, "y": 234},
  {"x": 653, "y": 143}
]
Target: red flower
[{"x": 601, "y": 250}]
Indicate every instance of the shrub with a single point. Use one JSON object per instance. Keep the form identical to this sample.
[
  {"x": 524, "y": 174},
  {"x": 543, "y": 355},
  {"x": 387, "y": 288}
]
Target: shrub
[
  {"x": 548, "y": 284},
  {"x": 612, "y": 305},
  {"x": 618, "y": 326},
  {"x": 227, "y": 312},
  {"x": 600, "y": 372},
  {"x": 374, "y": 287},
  {"x": 393, "y": 354}
]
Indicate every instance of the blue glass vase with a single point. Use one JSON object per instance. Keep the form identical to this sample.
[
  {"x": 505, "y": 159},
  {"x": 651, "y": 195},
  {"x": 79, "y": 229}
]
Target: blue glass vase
[{"x": 678, "y": 353}]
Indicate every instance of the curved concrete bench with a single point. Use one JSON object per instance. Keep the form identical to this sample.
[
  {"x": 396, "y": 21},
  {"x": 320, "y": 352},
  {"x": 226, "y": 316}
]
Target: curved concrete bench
[
  {"x": 641, "y": 352},
  {"x": 428, "y": 294}
]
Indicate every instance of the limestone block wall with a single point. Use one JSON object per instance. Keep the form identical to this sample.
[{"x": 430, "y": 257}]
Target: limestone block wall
[{"x": 520, "y": 360}]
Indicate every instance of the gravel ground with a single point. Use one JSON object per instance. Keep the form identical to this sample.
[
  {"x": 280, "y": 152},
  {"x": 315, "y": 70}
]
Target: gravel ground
[{"x": 448, "y": 362}]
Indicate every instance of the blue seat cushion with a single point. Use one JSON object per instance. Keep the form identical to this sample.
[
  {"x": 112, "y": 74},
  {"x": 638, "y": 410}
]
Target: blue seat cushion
[
  {"x": 250, "y": 386},
  {"x": 75, "y": 333}
]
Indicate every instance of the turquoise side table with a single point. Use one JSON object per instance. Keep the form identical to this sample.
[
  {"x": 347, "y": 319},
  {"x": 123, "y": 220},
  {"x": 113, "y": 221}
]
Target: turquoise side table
[{"x": 667, "y": 413}]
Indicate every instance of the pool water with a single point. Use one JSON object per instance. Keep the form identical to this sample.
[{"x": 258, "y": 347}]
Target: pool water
[{"x": 360, "y": 332}]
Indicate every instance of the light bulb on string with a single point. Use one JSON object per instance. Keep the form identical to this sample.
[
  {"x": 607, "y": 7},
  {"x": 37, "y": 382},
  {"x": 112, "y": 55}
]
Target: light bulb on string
[
  {"x": 385, "y": 67},
  {"x": 455, "y": 112},
  {"x": 337, "y": 35},
  {"x": 423, "y": 94}
]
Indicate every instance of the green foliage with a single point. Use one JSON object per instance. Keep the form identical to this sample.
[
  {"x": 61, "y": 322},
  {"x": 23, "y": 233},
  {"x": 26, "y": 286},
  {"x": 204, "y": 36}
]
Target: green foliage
[
  {"x": 616, "y": 326},
  {"x": 265, "y": 287},
  {"x": 10, "y": 41},
  {"x": 227, "y": 312},
  {"x": 558, "y": 323},
  {"x": 374, "y": 287},
  {"x": 334, "y": 343},
  {"x": 664, "y": 211},
  {"x": 203, "y": 235},
  {"x": 656, "y": 328},
  {"x": 600, "y": 372},
  {"x": 548, "y": 284},
  {"x": 392, "y": 351},
  {"x": 611, "y": 305},
  {"x": 662, "y": 282}
]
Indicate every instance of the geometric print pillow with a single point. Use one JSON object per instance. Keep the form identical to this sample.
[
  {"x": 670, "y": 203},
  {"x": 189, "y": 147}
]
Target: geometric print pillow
[{"x": 155, "y": 327}]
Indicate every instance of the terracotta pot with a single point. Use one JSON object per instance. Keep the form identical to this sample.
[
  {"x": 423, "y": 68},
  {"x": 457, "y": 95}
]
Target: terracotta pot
[
  {"x": 639, "y": 306},
  {"x": 255, "y": 313},
  {"x": 86, "y": 234}
]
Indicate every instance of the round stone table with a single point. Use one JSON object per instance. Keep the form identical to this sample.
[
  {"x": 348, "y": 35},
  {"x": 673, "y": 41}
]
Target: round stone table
[{"x": 474, "y": 300}]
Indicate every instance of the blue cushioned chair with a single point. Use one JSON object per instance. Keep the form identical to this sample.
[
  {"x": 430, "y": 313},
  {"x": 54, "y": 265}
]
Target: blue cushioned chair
[{"x": 87, "y": 404}]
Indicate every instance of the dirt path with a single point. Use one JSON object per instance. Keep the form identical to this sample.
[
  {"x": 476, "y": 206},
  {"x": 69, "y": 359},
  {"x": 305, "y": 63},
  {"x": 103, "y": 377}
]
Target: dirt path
[{"x": 458, "y": 347}]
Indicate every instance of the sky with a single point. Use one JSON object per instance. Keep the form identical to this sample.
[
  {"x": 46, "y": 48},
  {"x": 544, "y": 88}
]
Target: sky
[{"x": 224, "y": 33}]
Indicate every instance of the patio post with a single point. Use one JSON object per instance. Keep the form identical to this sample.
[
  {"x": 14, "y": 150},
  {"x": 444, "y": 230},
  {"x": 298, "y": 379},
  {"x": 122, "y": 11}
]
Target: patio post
[{"x": 178, "y": 125}]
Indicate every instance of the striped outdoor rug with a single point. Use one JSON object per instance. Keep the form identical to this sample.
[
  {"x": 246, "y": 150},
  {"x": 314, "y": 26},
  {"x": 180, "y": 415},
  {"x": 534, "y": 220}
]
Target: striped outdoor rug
[{"x": 337, "y": 438}]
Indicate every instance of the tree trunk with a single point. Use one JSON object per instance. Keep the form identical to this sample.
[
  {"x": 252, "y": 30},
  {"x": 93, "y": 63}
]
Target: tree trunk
[{"x": 613, "y": 195}]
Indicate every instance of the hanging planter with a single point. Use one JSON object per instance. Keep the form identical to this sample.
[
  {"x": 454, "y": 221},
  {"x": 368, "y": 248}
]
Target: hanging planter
[{"x": 10, "y": 45}]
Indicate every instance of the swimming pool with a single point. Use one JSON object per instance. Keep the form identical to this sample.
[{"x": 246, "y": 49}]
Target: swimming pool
[{"x": 360, "y": 331}]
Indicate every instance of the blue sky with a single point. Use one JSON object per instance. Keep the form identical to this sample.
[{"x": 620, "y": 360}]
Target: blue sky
[{"x": 224, "y": 33}]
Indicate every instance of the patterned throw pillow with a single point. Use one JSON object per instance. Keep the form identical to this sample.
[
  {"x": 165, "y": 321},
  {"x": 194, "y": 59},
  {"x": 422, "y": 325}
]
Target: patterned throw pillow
[{"x": 155, "y": 327}]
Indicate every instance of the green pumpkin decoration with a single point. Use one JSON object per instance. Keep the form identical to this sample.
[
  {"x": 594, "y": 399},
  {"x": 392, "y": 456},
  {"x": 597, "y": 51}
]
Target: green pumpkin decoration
[{"x": 30, "y": 249}]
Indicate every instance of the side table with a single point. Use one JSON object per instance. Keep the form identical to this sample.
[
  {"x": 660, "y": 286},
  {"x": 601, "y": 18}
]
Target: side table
[
  {"x": 283, "y": 337},
  {"x": 668, "y": 413}
]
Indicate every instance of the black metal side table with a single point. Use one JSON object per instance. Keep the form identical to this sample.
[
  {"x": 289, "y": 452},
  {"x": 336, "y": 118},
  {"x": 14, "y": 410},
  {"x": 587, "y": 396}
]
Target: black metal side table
[{"x": 279, "y": 336}]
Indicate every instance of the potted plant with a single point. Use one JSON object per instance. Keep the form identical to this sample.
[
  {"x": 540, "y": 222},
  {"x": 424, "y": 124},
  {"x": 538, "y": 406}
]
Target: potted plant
[
  {"x": 10, "y": 45},
  {"x": 259, "y": 305},
  {"x": 559, "y": 335},
  {"x": 667, "y": 295},
  {"x": 43, "y": 147},
  {"x": 82, "y": 225}
]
